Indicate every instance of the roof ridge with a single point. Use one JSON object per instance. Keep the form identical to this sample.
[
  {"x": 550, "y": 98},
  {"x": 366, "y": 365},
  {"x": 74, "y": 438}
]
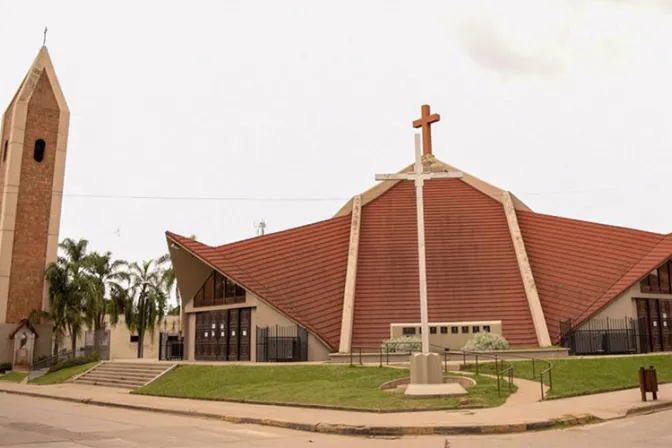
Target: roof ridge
[{"x": 585, "y": 221}]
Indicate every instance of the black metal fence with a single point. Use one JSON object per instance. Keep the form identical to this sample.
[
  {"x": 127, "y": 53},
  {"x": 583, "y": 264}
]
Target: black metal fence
[
  {"x": 282, "y": 344},
  {"x": 171, "y": 347},
  {"x": 608, "y": 336}
]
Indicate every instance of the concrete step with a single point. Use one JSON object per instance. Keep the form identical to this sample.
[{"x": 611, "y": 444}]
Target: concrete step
[
  {"x": 124, "y": 375},
  {"x": 107, "y": 377},
  {"x": 137, "y": 371},
  {"x": 108, "y": 384}
]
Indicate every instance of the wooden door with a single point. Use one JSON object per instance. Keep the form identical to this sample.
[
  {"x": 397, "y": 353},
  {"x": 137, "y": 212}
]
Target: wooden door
[
  {"x": 245, "y": 329},
  {"x": 206, "y": 342},
  {"x": 665, "y": 308},
  {"x": 222, "y": 335},
  {"x": 234, "y": 334},
  {"x": 654, "y": 319},
  {"x": 644, "y": 325}
]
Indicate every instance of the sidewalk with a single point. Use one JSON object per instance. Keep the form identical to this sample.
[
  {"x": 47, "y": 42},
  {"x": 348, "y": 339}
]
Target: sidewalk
[{"x": 512, "y": 417}]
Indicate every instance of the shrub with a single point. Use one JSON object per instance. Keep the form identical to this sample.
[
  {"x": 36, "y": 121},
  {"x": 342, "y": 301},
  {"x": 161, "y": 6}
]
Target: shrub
[
  {"x": 5, "y": 367},
  {"x": 486, "y": 342},
  {"x": 74, "y": 362},
  {"x": 402, "y": 344}
]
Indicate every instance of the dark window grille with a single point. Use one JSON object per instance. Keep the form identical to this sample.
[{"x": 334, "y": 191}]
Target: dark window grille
[{"x": 38, "y": 152}]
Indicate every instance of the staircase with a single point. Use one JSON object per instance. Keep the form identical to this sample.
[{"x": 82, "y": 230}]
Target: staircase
[{"x": 127, "y": 375}]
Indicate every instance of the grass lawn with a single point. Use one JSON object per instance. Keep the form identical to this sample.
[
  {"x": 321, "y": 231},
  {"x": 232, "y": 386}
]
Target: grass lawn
[
  {"x": 63, "y": 375},
  {"x": 14, "y": 377},
  {"x": 575, "y": 376},
  {"x": 335, "y": 385}
]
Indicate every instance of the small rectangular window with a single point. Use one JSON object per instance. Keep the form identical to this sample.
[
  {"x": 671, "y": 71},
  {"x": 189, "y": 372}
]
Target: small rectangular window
[
  {"x": 465, "y": 329},
  {"x": 134, "y": 338},
  {"x": 406, "y": 331},
  {"x": 486, "y": 328},
  {"x": 475, "y": 329},
  {"x": 454, "y": 330},
  {"x": 444, "y": 330},
  {"x": 432, "y": 330}
]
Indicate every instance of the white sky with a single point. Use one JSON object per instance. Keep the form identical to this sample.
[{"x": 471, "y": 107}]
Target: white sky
[{"x": 564, "y": 103}]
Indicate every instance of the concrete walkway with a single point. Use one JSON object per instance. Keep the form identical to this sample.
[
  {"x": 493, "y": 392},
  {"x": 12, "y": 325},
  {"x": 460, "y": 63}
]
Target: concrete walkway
[{"x": 514, "y": 417}]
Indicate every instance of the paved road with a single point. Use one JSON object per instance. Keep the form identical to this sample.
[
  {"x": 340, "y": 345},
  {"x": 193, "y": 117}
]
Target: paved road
[{"x": 36, "y": 422}]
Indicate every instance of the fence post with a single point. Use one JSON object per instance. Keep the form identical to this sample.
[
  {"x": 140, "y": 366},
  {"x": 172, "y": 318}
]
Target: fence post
[
  {"x": 541, "y": 383},
  {"x": 445, "y": 361},
  {"x": 550, "y": 379},
  {"x": 464, "y": 359},
  {"x": 499, "y": 392},
  {"x": 380, "y": 351},
  {"x": 387, "y": 353},
  {"x": 276, "y": 343},
  {"x": 350, "y": 356},
  {"x": 476, "y": 364},
  {"x": 360, "y": 356}
]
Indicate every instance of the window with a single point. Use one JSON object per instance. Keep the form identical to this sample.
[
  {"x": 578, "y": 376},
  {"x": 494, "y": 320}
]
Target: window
[
  {"x": 407, "y": 331},
  {"x": 4, "y": 151},
  {"x": 219, "y": 290},
  {"x": 658, "y": 281},
  {"x": 465, "y": 329},
  {"x": 432, "y": 330},
  {"x": 453, "y": 330},
  {"x": 475, "y": 329},
  {"x": 486, "y": 328},
  {"x": 444, "y": 330},
  {"x": 38, "y": 153},
  {"x": 134, "y": 338}
]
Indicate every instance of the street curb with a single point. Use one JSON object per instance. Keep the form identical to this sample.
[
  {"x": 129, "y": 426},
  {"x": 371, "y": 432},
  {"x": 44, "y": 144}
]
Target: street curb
[
  {"x": 341, "y": 429},
  {"x": 649, "y": 409}
]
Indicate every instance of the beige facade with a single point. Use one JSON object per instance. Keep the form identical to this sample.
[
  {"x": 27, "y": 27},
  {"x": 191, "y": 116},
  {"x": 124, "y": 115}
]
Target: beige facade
[
  {"x": 624, "y": 306},
  {"x": 263, "y": 315},
  {"x": 43, "y": 344},
  {"x": 122, "y": 341},
  {"x": 451, "y": 335}
]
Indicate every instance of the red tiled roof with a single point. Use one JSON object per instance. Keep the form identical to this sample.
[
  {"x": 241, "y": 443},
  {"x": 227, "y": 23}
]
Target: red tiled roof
[
  {"x": 300, "y": 271},
  {"x": 579, "y": 267},
  {"x": 472, "y": 272}
]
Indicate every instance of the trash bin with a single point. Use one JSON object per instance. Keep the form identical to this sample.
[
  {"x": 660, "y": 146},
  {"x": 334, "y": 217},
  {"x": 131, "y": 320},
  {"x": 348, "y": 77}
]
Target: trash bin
[{"x": 648, "y": 382}]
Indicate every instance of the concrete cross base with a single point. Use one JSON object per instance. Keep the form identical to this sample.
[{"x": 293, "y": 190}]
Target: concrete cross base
[
  {"x": 435, "y": 390},
  {"x": 427, "y": 378},
  {"x": 426, "y": 369}
]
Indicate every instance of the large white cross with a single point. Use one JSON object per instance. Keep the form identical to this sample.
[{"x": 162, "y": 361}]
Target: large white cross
[{"x": 419, "y": 176}]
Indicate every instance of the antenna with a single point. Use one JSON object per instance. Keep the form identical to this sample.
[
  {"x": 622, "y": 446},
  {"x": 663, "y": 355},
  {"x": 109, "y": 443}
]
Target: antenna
[{"x": 261, "y": 227}]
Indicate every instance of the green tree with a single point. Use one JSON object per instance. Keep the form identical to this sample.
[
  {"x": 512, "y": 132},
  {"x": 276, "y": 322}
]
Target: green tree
[
  {"x": 146, "y": 299},
  {"x": 107, "y": 298},
  {"x": 69, "y": 287}
]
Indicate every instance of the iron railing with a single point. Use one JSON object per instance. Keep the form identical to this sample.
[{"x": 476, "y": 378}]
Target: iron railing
[
  {"x": 504, "y": 363},
  {"x": 611, "y": 336},
  {"x": 282, "y": 344}
]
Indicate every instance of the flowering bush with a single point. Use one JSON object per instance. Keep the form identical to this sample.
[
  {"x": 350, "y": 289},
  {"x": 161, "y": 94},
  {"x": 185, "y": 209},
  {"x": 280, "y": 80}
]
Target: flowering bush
[
  {"x": 485, "y": 342},
  {"x": 402, "y": 344}
]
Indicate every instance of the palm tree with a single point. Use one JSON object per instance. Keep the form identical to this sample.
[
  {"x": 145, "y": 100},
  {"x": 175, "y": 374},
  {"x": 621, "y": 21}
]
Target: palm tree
[
  {"x": 107, "y": 278},
  {"x": 170, "y": 282},
  {"x": 59, "y": 296},
  {"x": 69, "y": 286},
  {"x": 146, "y": 299}
]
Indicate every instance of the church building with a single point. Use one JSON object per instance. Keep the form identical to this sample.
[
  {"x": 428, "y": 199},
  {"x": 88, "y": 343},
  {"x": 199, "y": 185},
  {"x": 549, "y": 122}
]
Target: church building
[
  {"x": 492, "y": 265},
  {"x": 33, "y": 143}
]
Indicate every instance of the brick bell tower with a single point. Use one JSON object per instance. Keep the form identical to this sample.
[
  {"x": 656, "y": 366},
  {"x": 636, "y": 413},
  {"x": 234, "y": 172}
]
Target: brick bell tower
[{"x": 33, "y": 144}]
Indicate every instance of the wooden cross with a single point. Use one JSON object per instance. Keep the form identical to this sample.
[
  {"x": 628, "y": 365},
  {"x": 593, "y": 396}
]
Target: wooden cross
[
  {"x": 419, "y": 176},
  {"x": 44, "y": 40},
  {"x": 425, "y": 122}
]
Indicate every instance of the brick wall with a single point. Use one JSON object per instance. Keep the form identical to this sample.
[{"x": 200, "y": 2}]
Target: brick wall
[{"x": 26, "y": 284}]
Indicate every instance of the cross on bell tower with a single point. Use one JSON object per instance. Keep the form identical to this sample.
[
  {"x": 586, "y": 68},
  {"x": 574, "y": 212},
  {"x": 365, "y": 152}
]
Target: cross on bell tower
[{"x": 425, "y": 122}]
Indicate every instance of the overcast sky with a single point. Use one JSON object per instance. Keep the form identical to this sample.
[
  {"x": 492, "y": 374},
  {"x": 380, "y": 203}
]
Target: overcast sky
[{"x": 565, "y": 103}]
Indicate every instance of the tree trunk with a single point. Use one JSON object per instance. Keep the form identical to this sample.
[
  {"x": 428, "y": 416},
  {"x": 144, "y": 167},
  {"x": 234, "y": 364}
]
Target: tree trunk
[
  {"x": 73, "y": 337},
  {"x": 141, "y": 327}
]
